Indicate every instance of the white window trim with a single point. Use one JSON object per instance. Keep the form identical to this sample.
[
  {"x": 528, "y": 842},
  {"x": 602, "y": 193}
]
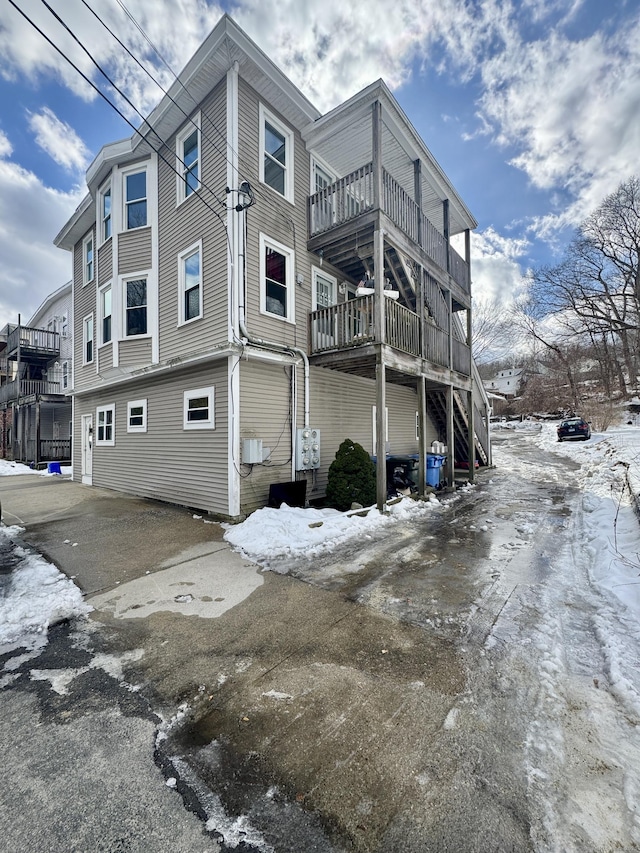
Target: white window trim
[
  {"x": 196, "y": 247},
  {"x": 107, "y": 286},
  {"x": 124, "y": 280},
  {"x": 135, "y": 427},
  {"x": 106, "y": 442},
  {"x": 64, "y": 326},
  {"x": 318, "y": 161},
  {"x": 85, "y": 278},
  {"x": 289, "y": 165},
  {"x": 289, "y": 272},
  {"x": 315, "y": 272},
  {"x": 64, "y": 379},
  {"x": 210, "y": 423},
  {"x": 133, "y": 170},
  {"x": 181, "y": 189},
  {"x": 85, "y": 340},
  {"x": 99, "y": 218}
]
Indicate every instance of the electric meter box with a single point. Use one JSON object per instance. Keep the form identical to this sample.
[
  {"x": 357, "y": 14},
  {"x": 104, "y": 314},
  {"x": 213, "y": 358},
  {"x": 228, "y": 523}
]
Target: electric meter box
[
  {"x": 252, "y": 451},
  {"x": 307, "y": 449}
]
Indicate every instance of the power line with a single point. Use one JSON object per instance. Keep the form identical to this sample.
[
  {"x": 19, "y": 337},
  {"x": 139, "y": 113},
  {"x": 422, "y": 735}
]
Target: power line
[{"x": 113, "y": 106}]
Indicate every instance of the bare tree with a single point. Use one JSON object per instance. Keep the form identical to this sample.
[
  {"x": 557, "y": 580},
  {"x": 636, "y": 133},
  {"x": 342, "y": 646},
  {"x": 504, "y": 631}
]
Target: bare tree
[{"x": 493, "y": 331}]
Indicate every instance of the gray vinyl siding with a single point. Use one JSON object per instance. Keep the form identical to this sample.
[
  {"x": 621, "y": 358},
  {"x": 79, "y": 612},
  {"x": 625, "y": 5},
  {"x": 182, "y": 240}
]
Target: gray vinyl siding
[
  {"x": 278, "y": 219},
  {"x": 105, "y": 262},
  {"x": 168, "y": 463},
  {"x": 134, "y": 251},
  {"x": 105, "y": 357},
  {"x": 84, "y": 304},
  {"x": 183, "y": 225},
  {"x": 133, "y": 352},
  {"x": 265, "y": 393},
  {"x": 341, "y": 407}
]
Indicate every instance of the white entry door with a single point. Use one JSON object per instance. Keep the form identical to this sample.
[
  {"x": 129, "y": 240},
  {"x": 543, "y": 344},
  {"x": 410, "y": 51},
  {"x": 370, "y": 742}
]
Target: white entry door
[{"x": 87, "y": 449}]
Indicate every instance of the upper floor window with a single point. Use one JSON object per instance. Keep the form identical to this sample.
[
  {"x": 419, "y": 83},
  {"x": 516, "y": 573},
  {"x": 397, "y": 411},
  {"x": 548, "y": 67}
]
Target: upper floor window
[
  {"x": 64, "y": 327},
  {"x": 87, "y": 259},
  {"x": 276, "y": 154},
  {"x": 188, "y": 156},
  {"x": 65, "y": 375},
  {"x": 190, "y": 283},
  {"x": 87, "y": 339},
  {"x": 105, "y": 214},
  {"x": 136, "y": 307},
  {"x": 135, "y": 199},
  {"x": 322, "y": 178},
  {"x": 105, "y": 315},
  {"x": 276, "y": 271}
]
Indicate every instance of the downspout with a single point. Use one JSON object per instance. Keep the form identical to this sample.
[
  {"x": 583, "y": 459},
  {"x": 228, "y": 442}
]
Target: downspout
[{"x": 260, "y": 342}]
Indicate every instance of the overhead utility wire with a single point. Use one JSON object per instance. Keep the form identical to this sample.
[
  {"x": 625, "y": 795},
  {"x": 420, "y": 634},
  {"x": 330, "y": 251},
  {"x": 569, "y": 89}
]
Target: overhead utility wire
[
  {"x": 139, "y": 27},
  {"x": 157, "y": 82},
  {"x": 118, "y": 89},
  {"x": 111, "y": 104}
]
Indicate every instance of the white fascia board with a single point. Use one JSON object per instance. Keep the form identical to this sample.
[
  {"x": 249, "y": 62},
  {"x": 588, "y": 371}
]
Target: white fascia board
[
  {"x": 78, "y": 225},
  {"x": 48, "y": 301}
]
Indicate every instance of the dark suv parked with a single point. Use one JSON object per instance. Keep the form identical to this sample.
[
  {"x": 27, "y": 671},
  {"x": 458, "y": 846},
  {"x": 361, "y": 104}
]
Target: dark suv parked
[{"x": 574, "y": 428}]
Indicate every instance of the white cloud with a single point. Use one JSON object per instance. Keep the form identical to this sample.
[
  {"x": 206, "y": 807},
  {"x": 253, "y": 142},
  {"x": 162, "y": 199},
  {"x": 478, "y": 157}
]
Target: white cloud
[
  {"x": 5, "y": 145},
  {"x": 496, "y": 266},
  {"x": 59, "y": 140},
  {"x": 31, "y": 214}
]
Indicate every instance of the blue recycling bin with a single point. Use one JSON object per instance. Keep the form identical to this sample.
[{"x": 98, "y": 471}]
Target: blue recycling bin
[{"x": 435, "y": 463}]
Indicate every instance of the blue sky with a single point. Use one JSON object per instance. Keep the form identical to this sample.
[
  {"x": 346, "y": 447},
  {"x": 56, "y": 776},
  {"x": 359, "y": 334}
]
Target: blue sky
[{"x": 532, "y": 108}]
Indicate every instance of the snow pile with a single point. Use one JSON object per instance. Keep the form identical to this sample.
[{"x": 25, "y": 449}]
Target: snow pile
[
  {"x": 269, "y": 533},
  {"x": 33, "y": 596},
  {"x": 8, "y": 468}
]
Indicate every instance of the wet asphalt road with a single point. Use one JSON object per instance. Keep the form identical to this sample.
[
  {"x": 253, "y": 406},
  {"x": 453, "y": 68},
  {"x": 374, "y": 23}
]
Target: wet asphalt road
[{"x": 418, "y": 691}]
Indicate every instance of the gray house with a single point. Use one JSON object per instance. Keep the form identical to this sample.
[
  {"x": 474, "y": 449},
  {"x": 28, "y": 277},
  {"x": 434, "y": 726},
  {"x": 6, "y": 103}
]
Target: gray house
[
  {"x": 36, "y": 365},
  {"x": 254, "y": 282}
]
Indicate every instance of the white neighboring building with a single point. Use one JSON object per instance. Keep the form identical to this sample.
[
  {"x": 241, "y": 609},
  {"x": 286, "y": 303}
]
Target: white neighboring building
[{"x": 506, "y": 382}]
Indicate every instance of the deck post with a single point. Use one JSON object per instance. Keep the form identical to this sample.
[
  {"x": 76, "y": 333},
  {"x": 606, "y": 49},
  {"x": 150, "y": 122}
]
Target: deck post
[
  {"x": 422, "y": 436},
  {"x": 37, "y": 449},
  {"x": 417, "y": 181},
  {"x": 447, "y": 230},
  {"x": 376, "y": 147},
  {"x": 471, "y": 437},
  {"x": 381, "y": 438},
  {"x": 451, "y": 448}
]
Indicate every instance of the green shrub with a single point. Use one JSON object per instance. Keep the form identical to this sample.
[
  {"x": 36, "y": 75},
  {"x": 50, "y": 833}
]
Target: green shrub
[{"x": 352, "y": 477}]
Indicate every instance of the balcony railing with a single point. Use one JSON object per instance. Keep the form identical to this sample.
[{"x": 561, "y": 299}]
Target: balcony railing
[
  {"x": 28, "y": 388},
  {"x": 38, "y": 341},
  {"x": 353, "y": 323},
  {"x": 353, "y": 195}
]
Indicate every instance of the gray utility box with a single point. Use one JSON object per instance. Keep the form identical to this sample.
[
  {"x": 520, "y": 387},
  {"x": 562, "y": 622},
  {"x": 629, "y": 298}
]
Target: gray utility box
[{"x": 307, "y": 449}]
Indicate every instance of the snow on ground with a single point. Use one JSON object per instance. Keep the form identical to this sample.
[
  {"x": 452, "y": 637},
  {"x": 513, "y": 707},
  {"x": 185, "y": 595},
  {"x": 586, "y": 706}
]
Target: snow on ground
[
  {"x": 8, "y": 469},
  {"x": 292, "y": 531},
  {"x": 32, "y": 597}
]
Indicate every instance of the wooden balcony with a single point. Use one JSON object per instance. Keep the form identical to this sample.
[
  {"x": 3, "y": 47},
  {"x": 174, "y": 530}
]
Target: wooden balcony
[
  {"x": 28, "y": 389},
  {"x": 33, "y": 344},
  {"x": 352, "y": 324},
  {"x": 353, "y": 196}
]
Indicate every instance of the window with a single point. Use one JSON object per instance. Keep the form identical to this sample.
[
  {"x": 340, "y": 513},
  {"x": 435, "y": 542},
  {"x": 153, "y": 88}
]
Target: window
[
  {"x": 190, "y": 283},
  {"x": 64, "y": 327},
  {"x": 276, "y": 154},
  {"x": 65, "y": 374},
  {"x": 87, "y": 255},
  {"x": 135, "y": 199},
  {"x": 136, "y": 307},
  {"x": 324, "y": 290},
  {"x": 137, "y": 416},
  {"x": 87, "y": 339},
  {"x": 323, "y": 178},
  {"x": 198, "y": 409},
  {"x": 276, "y": 266},
  {"x": 105, "y": 214},
  {"x": 188, "y": 156},
  {"x": 106, "y": 419},
  {"x": 105, "y": 315}
]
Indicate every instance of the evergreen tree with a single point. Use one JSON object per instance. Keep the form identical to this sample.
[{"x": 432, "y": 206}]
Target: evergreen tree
[{"x": 352, "y": 477}]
